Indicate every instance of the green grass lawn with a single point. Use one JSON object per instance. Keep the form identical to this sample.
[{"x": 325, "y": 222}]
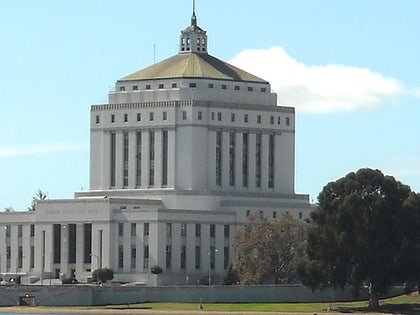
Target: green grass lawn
[{"x": 405, "y": 304}]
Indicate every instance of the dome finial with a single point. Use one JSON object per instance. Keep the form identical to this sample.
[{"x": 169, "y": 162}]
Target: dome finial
[{"x": 194, "y": 18}]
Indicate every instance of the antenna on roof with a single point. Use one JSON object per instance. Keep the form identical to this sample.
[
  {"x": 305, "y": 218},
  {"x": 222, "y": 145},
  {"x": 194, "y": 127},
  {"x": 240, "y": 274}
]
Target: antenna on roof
[{"x": 194, "y": 18}]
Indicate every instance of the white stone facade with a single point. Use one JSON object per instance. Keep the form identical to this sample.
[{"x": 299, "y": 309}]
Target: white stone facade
[{"x": 176, "y": 165}]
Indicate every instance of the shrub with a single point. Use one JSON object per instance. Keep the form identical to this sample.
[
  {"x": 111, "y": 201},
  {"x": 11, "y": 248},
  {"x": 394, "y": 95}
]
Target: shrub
[
  {"x": 69, "y": 281},
  {"x": 102, "y": 274},
  {"x": 156, "y": 270}
]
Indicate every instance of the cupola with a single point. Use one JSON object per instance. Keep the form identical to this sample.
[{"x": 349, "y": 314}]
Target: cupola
[{"x": 193, "y": 38}]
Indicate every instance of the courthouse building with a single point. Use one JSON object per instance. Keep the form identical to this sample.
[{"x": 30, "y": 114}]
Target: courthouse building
[{"x": 181, "y": 154}]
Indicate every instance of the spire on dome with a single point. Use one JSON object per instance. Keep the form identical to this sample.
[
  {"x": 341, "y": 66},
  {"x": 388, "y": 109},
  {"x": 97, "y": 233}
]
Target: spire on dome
[{"x": 194, "y": 17}]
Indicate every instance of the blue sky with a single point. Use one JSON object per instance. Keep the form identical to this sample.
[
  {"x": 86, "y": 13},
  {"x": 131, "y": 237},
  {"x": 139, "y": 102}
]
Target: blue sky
[{"x": 351, "y": 69}]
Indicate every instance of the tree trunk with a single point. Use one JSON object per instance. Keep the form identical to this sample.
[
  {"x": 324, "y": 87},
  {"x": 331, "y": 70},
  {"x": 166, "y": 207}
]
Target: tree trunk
[{"x": 373, "y": 298}]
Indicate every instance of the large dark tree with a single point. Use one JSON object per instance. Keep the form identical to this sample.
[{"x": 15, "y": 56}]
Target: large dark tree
[{"x": 365, "y": 233}]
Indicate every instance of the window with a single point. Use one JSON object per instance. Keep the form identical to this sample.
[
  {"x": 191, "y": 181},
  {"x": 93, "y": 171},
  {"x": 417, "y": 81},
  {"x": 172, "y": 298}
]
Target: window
[
  {"x": 174, "y": 85},
  {"x": 133, "y": 229},
  {"x": 120, "y": 256},
  {"x": 198, "y": 230},
  {"x": 300, "y": 215},
  {"x": 218, "y": 158},
  {"x": 151, "y": 158},
  {"x": 32, "y": 232},
  {"x": 168, "y": 229},
  {"x": 164, "y": 157},
  {"x": 151, "y": 116},
  {"x": 125, "y": 117},
  {"x": 161, "y": 86},
  {"x": 138, "y": 158},
  {"x": 258, "y": 119},
  {"x": 192, "y": 85},
  {"x": 232, "y": 159},
  {"x": 212, "y": 115},
  {"x": 138, "y": 116},
  {"x": 183, "y": 229},
  {"x": 125, "y": 159},
  {"x": 271, "y": 159},
  {"x": 133, "y": 257},
  {"x": 120, "y": 229},
  {"x": 258, "y": 160},
  {"x": 226, "y": 257},
  {"x": 226, "y": 230},
  {"x": 224, "y": 87},
  {"x": 232, "y": 117},
  {"x": 97, "y": 119},
  {"x": 197, "y": 257},
  {"x": 245, "y": 159},
  {"x": 146, "y": 257},
  {"x": 113, "y": 148},
  {"x": 263, "y": 89},
  {"x": 274, "y": 214},
  {"x": 250, "y": 89},
  {"x": 211, "y": 85},
  {"x": 245, "y": 118},
  {"x": 168, "y": 256},
  {"x": 135, "y": 87},
  {"x": 122, "y": 88},
  {"x": 219, "y": 116},
  {"x": 212, "y": 257},
  {"x": 287, "y": 121},
  {"x": 20, "y": 257},
  {"x": 199, "y": 115},
  {"x": 237, "y": 88},
  {"x": 148, "y": 86},
  {"x": 146, "y": 229},
  {"x": 278, "y": 120},
  {"x": 112, "y": 118},
  {"x": 272, "y": 120},
  {"x": 32, "y": 257},
  {"x": 212, "y": 230},
  {"x": 20, "y": 230},
  {"x": 183, "y": 256},
  {"x": 164, "y": 115},
  {"x": 184, "y": 114}
]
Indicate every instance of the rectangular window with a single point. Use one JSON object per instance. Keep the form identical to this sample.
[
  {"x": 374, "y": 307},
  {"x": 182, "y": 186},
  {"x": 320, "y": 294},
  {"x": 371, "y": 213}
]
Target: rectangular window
[
  {"x": 20, "y": 257},
  {"x": 56, "y": 243},
  {"x": 120, "y": 229},
  {"x": 226, "y": 257},
  {"x": 151, "y": 158},
  {"x": 198, "y": 230},
  {"x": 219, "y": 116},
  {"x": 245, "y": 118},
  {"x": 272, "y": 120},
  {"x": 300, "y": 215},
  {"x": 133, "y": 257},
  {"x": 138, "y": 158},
  {"x": 232, "y": 158},
  {"x": 183, "y": 256},
  {"x": 146, "y": 257},
  {"x": 199, "y": 115},
  {"x": 263, "y": 90},
  {"x": 258, "y": 160},
  {"x": 245, "y": 159},
  {"x": 120, "y": 256},
  {"x": 271, "y": 159},
  {"x": 278, "y": 120},
  {"x": 151, "y": 116},
  {"x": 135, "y": 87},
  {"x": 122, "y": 88},
  {"x": 125, "y": 117},
  {"x": 148, "y": 86},
  {"x": 32, "y": 232},
  {"x": 97, "y": 119},
  {"x": 250, "y": 89},
  {"x": 165, "y": 157},
  {"x": 258, "y": 119},
  {"x": 232, "y": 117},
  {"x": 113, "y": 146},
  {"x": 174, "y": 85},
  {"x": 211, "y": 85},
  {"x": 8, "y": 257},
  {"x": 197, "y": 257},
  {"x": 8, "y": 229},
  {"x": 224, "y": 87},
  {"x": 237, "y": 88},
  {"x": 212, "y": 257},
  {"x": 287, "y": 121},
  {"x": 20, "y": 229},
  {"x": 218, "y": 158},
  {"x": 184, "y": 115},
  {"x": 183, "y": 229},
  {"x": 146, "y": 229},
  {"x": 168, "y": 229},
  {"x": 72, "y": 245},
  {"x": 192, "y": 85},
  {"x": 168, "y": 256},
  {"x": 112, "y": 118},
  {"x": 125, "y": 159},
  {"x": 161, "y": 86},
  {"x": 138, "y": 116},
  {"x": 212, "y": 115},
  {"x": 32, "y": 257},
  {"x": 274, "y": 214},
  {"x": 87, "y": 254},
  {"x": 212, "y": 230},
  {"x": 133, "y": 229},
  {"x": 165, "y": 116},
  {"x": 226, "y": 230}
]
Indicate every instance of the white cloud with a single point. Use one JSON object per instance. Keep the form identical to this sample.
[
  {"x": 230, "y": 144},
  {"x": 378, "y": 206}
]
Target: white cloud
[
  {"x": 37, "y": 149},
  {"x": 324, "y": 88}
]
